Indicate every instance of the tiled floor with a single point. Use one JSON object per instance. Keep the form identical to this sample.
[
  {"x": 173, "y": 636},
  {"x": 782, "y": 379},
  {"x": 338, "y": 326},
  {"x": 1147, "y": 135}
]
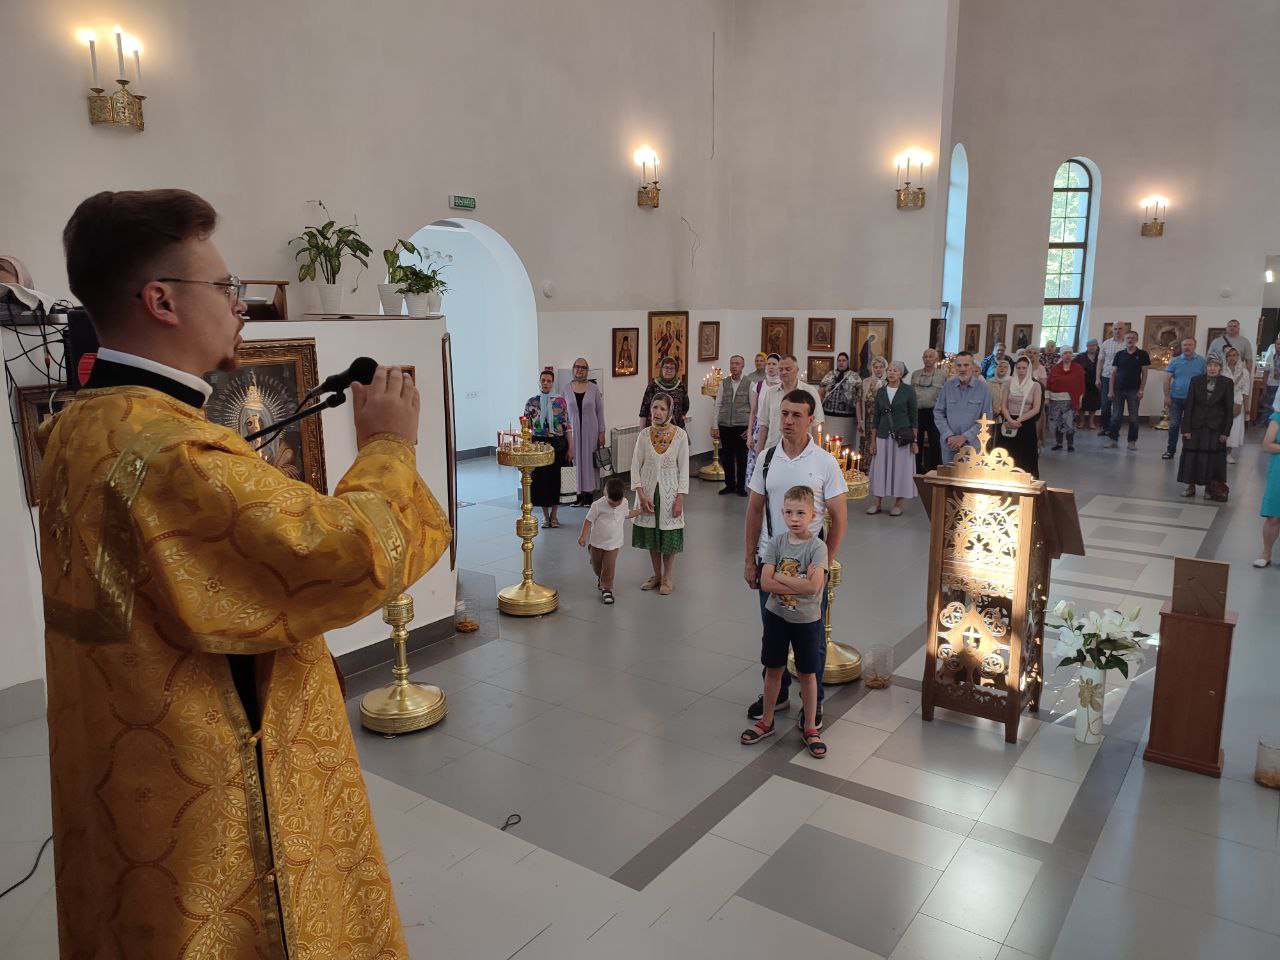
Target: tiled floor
[{"x": 647, "y": 831}]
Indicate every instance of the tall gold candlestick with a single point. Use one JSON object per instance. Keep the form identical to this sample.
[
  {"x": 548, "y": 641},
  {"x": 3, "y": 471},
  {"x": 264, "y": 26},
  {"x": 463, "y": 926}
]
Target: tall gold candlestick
[
  {"x": 403, "y": 706},
  {"x": 526, "y": 598}
]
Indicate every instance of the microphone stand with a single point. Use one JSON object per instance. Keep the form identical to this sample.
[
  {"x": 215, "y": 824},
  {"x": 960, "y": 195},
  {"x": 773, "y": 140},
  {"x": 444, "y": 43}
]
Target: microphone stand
[{"x": 333, "y": 400}]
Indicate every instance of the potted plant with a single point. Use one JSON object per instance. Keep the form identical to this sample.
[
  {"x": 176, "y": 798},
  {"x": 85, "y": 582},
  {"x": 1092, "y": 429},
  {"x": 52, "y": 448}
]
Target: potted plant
[
  {"x": 422, "y": 285},
  {"x": 1098, "y": 643},
  {"x": 325, "y": 247},
  {"x": 389, "y": 293}
]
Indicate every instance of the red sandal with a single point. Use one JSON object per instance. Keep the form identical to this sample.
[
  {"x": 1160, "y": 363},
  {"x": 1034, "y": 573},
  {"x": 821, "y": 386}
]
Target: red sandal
[
  {"x": 813, "y": 743},
  {"x": 756, "y": 732}
]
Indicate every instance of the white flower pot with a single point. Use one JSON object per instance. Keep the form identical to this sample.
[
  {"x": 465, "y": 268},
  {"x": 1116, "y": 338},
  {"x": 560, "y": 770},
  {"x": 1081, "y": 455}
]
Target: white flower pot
[
  {"x": 433, "y": 301},
  {"x": 1090, "y": 700},
  {"x": 419, "y": 304},
  {"x": 330, "y": 297},
  {"x": 392, "y": 299}
]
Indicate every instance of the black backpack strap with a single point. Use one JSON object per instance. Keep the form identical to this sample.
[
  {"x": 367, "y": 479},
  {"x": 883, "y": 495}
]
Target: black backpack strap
[{"x": 764, "y": 482}]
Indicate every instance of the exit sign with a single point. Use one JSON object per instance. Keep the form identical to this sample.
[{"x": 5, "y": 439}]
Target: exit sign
[{"x": 462, "y": 203}]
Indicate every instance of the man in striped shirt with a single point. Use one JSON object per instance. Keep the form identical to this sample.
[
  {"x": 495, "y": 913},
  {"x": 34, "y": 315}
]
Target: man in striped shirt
[{"x": 1106, "y": 361}]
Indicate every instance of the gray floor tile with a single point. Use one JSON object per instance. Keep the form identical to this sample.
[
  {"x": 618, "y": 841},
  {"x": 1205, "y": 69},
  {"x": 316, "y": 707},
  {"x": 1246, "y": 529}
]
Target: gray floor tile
[
  {"x": 661, "y": 776},
  {"x": 563, "y": 741},
  {"x": 30, "y": 739},
  {"x": 486, "y": 660},
  {"x": 867, "y": 896},
  {"x": 713, "y": 726},
  {"x": 980, "y": 757},
  {"x": 598, "y": 831},
  {"x": 632, "y": 701},
  {"x": 409, "y": 759},
  {"x": 483, "y": 712},
  {"x": 25, "y": 804},
  {"x": 1107, "y": 920},
  {"x": 689, "y": 667},
  {"x": 551, "y": 677},
  {"x": 742, "y": 688}
]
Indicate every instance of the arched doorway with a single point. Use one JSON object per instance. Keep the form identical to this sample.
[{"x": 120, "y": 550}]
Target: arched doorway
[
  {"x": 492, "y": 320},
  {"x": 953, "y": 256}
]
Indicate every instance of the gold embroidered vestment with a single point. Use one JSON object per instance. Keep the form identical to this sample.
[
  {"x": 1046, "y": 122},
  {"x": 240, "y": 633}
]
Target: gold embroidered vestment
[{"x": 167, "y": 544}]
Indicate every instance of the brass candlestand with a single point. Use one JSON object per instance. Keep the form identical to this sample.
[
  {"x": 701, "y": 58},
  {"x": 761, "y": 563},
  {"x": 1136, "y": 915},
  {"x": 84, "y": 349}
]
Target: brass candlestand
[
  {"x": 404, "y": 706},
  {"x": 844, "y": 661},
  {"x": 1164, "y": 420},
  {"x": 526, "y": 598},
  {"x": 122, "y": 108},
  {"x": 714, "y": 470}
]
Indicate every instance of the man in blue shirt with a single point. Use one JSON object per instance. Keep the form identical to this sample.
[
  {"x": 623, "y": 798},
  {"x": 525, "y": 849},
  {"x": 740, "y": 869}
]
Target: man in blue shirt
[
  {"x": 1181, "y": 369},
  {"x": 962, "y": 402}
]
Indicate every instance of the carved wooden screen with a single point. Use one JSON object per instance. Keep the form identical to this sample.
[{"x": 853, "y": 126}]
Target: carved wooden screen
[{"x": 987, "y": 589}]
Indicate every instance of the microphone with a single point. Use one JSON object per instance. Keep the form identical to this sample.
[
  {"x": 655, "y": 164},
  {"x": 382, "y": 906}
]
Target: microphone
[{"x": 361, "y": 369}]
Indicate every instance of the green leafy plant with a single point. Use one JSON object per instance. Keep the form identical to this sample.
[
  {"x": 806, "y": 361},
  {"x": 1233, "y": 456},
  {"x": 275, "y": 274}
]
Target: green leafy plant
[
  {"x": 425, "y": 278},
  {"x": 326, "y": 246},
  {"x": 1106, "y": 641},
  {"x": 395, "y": 270}
]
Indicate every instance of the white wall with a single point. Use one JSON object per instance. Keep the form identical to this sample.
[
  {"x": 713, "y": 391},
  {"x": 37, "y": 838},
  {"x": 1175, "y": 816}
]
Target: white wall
[{"x": 1165, "y": 96}]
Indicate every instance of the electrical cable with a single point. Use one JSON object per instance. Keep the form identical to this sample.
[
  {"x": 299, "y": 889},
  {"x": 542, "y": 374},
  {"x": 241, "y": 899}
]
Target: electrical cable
[{"x": 34, "y": 867}]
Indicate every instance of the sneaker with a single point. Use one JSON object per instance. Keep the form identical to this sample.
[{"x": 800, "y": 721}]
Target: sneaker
[
  {"x": 725, "y": 491},
  {"x": 1112, "y": 444},
  {"x": 606, "y": 596},
  {"x": 756, "y": 710},
  {"x": 1133, "y": 445},
  {"x": 1071, "y": 448},
  {"x": 1056, "y": 446},
  {"x": 817, "y": 720},
  {"x": 1167, "y": 455}
]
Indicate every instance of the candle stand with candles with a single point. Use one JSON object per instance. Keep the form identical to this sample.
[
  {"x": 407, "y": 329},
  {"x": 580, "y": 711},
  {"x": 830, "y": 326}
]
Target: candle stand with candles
[
  {"x": 710, "y": 387},
  {"x": 526, "y": 598},
  {"x": 844, "y": 661},
  {"x": 403, "y": 706}
]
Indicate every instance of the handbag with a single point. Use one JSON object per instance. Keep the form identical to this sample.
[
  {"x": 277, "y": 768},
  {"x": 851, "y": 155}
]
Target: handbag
[
  {"x": 602, "y": 459},
  {"x": 905, "y": 436}
]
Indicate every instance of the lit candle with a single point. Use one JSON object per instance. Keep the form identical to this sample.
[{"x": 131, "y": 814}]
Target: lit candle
[
  {"x": 120, "y": 51},
  {"x": 93, "y": 61},
  {"x": 137, "y": 65}
]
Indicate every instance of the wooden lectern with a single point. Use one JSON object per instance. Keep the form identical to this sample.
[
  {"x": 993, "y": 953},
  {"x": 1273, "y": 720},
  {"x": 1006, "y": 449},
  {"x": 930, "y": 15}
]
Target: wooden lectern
[
  {"x": 1191, "y": 669},
  {"x": 995, "y": 529}
]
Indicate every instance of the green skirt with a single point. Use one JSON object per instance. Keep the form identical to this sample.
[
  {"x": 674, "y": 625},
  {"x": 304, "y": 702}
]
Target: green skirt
[{"x": 665, "y": 542}]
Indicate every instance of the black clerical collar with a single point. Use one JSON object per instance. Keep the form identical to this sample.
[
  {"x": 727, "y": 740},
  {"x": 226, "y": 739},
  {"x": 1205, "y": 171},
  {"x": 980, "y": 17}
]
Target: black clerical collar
[{"x": 108, "y": 373}]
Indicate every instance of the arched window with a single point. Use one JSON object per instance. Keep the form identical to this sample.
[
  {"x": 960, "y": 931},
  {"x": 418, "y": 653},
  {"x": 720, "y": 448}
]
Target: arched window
[{"x": 1066, "y": 276}]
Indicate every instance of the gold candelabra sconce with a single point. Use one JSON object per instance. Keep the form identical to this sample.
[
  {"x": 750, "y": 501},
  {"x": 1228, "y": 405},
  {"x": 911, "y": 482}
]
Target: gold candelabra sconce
[
  {"x": 1155, "y": 209},
  {"x": 123, "y": 107},
  {"x": 648, "y": 193},
  {"x": 909, "y": 197},
  {"x": 714, "y": 471}
]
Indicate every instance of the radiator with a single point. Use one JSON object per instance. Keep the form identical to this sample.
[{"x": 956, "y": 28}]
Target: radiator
[{"x": 622, "y": 446}]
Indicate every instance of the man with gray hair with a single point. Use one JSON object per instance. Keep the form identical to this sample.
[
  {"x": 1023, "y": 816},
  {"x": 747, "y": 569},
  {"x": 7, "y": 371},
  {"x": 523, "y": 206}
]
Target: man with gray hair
[
  {"x": 733, "y": 410},
  {"x": 1181, "y": 369},
  {"x": 1233, "y": 338}
]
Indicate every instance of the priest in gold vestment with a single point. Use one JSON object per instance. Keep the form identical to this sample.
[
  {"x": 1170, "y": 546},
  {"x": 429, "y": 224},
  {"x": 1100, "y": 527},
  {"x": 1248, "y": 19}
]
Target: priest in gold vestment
[{"x": 207, "y": 797}]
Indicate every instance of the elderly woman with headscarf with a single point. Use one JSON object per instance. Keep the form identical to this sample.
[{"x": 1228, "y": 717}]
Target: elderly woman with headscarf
[
  {"x": 1242, "y": 381},
  {"x": 586, "y": 421},
  {"x": 841, "y": 391},
  {"x": 1020, "y": 417},
  {"x": 667, "y": 381},
  {"x": 1206, "y": 425},
  {"x": 998, "y": 384},
  {"x": 548, "y": 418},
  {"x": 772, "y": 378},
  {"x": 660, "y": 478},
  {"x": 893, "y": 442},
  {"x": 870, "y": 388},
  {"x": 1092, "y": 401}
]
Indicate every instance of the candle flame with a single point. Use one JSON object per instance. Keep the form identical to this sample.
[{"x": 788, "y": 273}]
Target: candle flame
[
  {"x": 132, "y": 44},
  {"x": 86, "y": 36}
]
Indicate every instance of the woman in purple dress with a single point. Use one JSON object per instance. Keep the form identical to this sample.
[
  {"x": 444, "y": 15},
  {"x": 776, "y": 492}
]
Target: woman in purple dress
[{"x": 586, "y": 418}]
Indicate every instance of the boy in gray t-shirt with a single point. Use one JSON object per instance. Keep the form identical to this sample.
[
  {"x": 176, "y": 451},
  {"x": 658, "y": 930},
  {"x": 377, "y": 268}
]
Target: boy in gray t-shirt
[{"x": 794, "y": 573}]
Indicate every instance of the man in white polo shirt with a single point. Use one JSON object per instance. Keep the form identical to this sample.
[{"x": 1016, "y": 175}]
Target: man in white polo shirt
[{"x": 796, "y": 461}]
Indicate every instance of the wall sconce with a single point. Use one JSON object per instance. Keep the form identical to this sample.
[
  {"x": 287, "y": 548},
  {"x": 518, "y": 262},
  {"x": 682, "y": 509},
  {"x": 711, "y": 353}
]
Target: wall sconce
[
  {"x": 1153, "y": 226},
  {"x": 647, "y": 161},
  {"x": 124, "y": 107},
  {"x": 909, "y": 197}
]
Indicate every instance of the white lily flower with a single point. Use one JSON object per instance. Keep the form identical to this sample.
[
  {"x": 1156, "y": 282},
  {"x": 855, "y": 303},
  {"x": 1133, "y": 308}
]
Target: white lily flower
[{"x": 1062, "y": 609}]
